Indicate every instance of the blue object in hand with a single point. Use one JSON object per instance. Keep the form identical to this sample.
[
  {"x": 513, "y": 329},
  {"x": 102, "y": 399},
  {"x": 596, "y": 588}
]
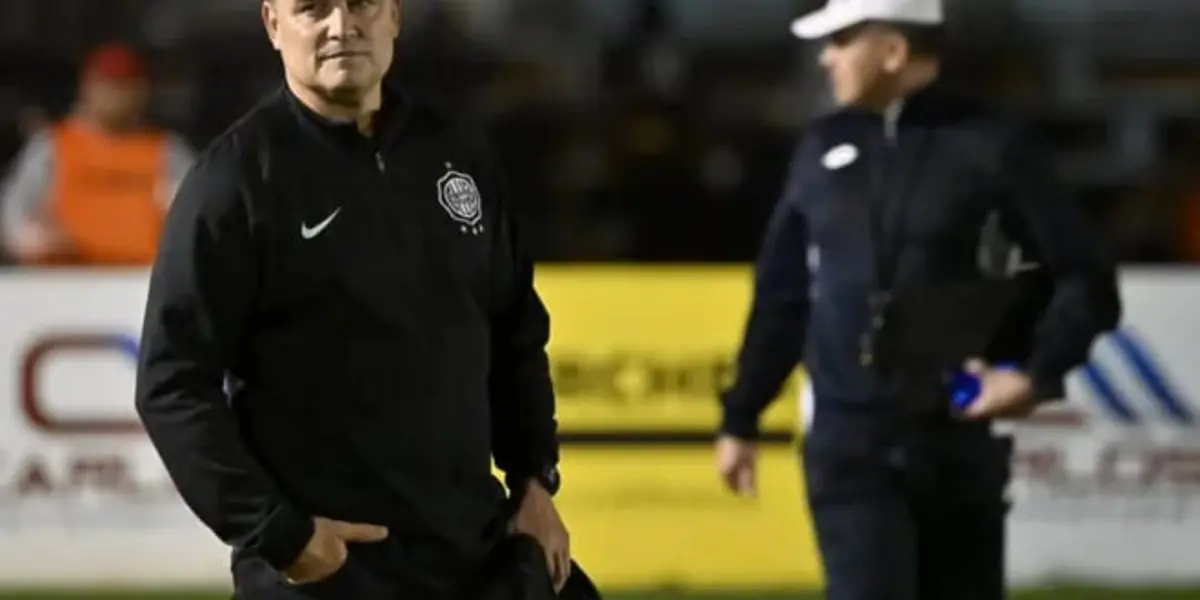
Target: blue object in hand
[{"x": 965, "y": 387}]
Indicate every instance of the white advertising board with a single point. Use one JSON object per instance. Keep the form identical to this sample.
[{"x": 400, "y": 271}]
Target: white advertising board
[
  {"x": 1107, "y": 485},
  {"x": 83, "y": 496}
]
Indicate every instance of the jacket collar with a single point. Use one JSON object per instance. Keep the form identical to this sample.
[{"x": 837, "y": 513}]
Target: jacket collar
[
  {"x": 389, "y": 120},
  {"x": 929, "y": 101}
]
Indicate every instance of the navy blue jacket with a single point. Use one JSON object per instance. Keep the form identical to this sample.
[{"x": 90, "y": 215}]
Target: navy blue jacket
[{"x": 940, "y": 171}]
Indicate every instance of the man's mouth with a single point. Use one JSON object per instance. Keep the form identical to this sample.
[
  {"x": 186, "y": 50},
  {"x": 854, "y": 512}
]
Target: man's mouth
[{"x": 342, "y": 54}]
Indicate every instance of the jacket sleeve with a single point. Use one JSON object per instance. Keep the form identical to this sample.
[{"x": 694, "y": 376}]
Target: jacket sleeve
[
  {"x": 524, "y": 429},
  {"x": 1085, "y": 301},
  {"x": 27, "y": 192},
  {"x": 202, "y": 286},
  {"x": 773, "y": 342}
]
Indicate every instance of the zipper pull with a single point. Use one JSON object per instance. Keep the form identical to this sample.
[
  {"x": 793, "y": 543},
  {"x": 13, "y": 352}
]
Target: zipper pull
[{"x": 379, "y": 163}]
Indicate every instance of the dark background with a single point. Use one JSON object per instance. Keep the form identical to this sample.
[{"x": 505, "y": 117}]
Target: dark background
[{"x": 643, "y": 130}]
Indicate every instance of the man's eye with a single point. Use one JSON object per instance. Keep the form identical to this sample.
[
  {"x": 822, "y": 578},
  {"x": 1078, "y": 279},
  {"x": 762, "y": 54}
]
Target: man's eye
[{"x": 309, "y": 6}]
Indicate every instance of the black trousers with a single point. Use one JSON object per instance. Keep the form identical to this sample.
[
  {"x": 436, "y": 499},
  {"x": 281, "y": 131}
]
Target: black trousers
[
  {"x": 401, "y": 566},
  {"x": 513, "y": 569},
  {"x": 907, "y": 508}
]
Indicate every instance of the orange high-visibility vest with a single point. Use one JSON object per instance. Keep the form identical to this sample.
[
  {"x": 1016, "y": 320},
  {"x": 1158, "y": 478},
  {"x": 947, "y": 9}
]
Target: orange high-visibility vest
[{"x": 106, "y": 193}]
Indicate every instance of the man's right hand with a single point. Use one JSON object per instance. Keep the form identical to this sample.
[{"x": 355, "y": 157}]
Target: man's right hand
[
  {"x": 326, "y": 550},
  {"x": 736, "y": 461}
]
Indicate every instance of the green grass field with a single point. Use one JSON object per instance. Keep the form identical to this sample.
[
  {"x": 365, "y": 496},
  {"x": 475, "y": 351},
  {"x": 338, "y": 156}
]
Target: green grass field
[{"x": 1048, "y": 594}]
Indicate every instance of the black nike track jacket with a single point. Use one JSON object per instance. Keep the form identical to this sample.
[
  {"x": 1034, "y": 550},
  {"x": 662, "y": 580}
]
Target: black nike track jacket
[{"x": 344, "y": 326}]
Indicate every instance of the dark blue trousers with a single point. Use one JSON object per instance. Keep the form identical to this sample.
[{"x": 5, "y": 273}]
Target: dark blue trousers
[{"x": 907, "y": 508}]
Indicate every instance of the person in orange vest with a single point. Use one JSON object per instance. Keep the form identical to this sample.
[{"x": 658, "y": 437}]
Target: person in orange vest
[{"x": 93, "y": 189}]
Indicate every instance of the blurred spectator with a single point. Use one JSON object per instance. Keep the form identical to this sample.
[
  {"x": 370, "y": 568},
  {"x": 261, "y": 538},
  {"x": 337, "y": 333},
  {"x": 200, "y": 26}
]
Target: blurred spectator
[{"x": 93, "y": 189}]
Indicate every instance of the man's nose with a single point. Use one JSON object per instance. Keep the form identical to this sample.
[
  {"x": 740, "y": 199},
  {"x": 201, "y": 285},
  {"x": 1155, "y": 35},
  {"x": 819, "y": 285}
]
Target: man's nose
[{"x": 341, "y": 21}]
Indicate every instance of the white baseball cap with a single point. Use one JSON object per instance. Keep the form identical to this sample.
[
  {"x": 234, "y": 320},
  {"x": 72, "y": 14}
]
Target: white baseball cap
[{"x": 840, "y": 14}]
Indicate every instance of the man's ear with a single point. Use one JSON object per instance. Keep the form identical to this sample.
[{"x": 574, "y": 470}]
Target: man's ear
[
  {"x": 899, "y": 52},
  {"x": 270, "y": 19}
]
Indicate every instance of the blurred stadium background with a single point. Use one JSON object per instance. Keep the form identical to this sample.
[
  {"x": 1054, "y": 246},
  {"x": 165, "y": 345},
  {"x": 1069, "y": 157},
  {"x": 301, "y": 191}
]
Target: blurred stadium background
[{"x": 647, "y": 140}]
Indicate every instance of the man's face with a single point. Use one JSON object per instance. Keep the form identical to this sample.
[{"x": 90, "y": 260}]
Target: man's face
[
  {"x": 117, "y": 103},
  {"x": 862, "y": 62},
  {"x": 342, "y": 48}
]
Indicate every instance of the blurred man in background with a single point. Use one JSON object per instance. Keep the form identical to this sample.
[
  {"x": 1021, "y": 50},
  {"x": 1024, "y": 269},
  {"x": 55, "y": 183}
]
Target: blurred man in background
[
  {"x": 93, "y": 189},
  {"x": 911, "y": 190}
]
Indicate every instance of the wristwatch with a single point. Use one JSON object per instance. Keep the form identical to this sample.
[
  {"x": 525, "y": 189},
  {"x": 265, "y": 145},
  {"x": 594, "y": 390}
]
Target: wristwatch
[{"x": 548, "y": 477}]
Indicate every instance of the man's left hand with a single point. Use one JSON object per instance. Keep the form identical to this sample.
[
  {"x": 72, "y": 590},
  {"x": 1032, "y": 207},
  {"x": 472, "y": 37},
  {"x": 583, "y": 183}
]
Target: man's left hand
[
  {"x": 537, "y": 517},
  {"x": 1003, "y": 393}
]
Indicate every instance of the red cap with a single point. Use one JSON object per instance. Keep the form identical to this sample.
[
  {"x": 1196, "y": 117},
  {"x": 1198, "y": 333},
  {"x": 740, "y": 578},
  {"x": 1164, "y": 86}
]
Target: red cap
[{"x": 114, "y": 61}]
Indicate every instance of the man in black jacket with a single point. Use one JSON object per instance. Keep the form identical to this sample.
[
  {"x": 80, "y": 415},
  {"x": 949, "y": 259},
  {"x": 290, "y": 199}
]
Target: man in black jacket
[
  {"x": 342, "y": 332},
  {"x": 909, "y": 186}
]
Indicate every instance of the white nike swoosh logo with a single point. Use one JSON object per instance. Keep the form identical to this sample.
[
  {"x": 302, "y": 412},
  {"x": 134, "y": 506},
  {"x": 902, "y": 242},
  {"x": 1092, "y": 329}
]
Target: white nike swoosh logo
[{"x": 309, "y": 233}]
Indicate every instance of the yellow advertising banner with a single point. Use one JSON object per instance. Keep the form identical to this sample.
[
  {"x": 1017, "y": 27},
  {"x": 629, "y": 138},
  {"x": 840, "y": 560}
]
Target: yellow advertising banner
[
  {"x": 644, "y": 350},
  {"x": 658, "y": 516},
  {"x": 647, "y": 348}
]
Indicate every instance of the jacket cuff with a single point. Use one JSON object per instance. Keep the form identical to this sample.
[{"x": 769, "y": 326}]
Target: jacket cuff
[
  {"x": 284, "y": 536},
  {"x": 1047, "y": 381},
  {"x": 516, "y": 475},
  {"x": 739, "y": 423},
  {"x": 1048, "y": 389}
]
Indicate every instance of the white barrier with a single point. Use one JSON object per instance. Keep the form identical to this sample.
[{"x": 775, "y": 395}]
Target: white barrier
[
  {"x": 1107, "y": 486},
  {"x": 83, "y": 496}
]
